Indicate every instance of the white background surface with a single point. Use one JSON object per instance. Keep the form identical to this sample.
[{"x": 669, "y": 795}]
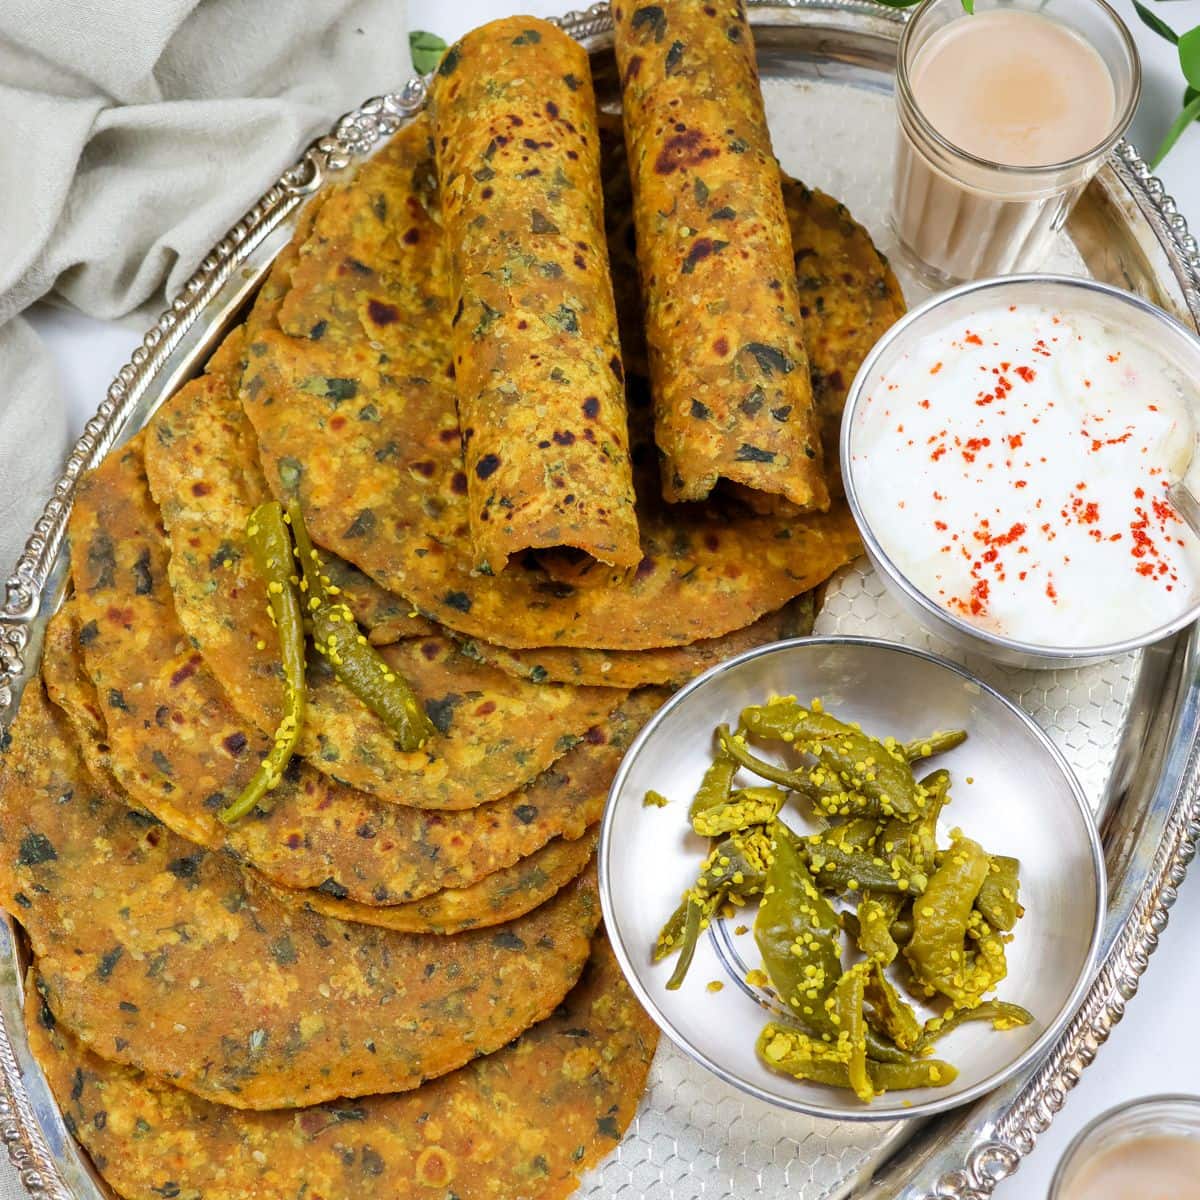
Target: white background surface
[{"x": 1155, "y": 1049}]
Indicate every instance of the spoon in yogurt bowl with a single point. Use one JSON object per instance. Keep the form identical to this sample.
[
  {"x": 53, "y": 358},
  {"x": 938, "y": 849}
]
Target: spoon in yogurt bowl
[{"x": 1181, "y": 495}]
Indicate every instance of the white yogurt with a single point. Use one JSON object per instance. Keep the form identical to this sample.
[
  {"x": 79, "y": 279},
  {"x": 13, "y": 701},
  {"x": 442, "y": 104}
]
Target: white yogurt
[{"x": 1015, "y": 467}]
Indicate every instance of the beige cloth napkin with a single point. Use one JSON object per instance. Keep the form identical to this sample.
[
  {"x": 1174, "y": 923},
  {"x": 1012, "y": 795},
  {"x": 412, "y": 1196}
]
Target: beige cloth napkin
[{"x": 133, "y": 133}]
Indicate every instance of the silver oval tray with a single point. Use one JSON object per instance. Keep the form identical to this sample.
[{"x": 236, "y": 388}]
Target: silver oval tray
[{"x": 1131, "y": 728}]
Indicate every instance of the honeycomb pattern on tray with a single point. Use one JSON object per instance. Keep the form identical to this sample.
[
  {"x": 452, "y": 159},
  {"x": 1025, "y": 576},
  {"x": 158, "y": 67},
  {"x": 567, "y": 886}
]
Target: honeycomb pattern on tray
[{"x": 697, "y": 1138}]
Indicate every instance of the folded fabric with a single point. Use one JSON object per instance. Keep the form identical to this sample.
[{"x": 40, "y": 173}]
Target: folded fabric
[{"x": 135, "y": 133}]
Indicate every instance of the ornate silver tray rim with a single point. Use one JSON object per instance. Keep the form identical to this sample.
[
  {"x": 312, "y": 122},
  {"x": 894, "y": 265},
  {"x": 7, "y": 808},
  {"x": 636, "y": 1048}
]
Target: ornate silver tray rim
[{"x": 962, "y": 1156}]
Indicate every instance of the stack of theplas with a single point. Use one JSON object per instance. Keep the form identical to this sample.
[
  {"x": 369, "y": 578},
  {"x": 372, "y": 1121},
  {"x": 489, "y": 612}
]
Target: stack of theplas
[{"x": 533, "y": 491}]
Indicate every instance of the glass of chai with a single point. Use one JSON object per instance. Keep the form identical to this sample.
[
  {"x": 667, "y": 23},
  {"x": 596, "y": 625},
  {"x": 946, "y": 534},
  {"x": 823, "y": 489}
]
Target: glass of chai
[
  {"x": 1004, "y": 116},
  {"x": 1148, "y": 1149}
]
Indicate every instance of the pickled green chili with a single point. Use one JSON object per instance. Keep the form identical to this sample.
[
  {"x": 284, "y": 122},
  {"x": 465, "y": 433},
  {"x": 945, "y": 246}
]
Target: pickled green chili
[
  {"x": 745, "y": 807},
  {"x": 875, "y": 916},
  {"x": 838, "y": 865},
  {"x": 940, "y": 742},
  {"x": 888, "y": 1012},
  {"x": 856, "y": 835},
  {"x": 901, "y": 929},
  {"x": 697, "y": 914},
  {"x": 848, "y": 1017},
  {"x": 798, "y": 935},
  {"x": 949, "y": 912},
  {"x": 923, "y": 840},
  {"x": 937, "y": 951},
  {"x": 734, "y": 748},
  {"x": 854, "y": 773},
  {"x": 1001, "y": 1015},
  {"x": 735, "y": 870},
  {"x": 271, "y": 547},
  {"x": 915, "y": 842},
  {"x": 793, "y": 1052},
  {"x": 715, "y": 787},
  {"x": 998, "y": 897},
  {"x": 986, "y": 957},
  {"x": 354, "y": 660},
  {"x": 915, "y": 1073}
]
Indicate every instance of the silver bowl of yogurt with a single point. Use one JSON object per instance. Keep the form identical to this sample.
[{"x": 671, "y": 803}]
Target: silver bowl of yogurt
[{"x": 1018, "y": 453}]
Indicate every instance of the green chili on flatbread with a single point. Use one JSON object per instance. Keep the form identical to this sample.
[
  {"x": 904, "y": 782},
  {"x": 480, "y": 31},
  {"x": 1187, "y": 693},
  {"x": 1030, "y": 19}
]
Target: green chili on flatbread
[
  {"x": 495, "y": 732},
  {"x": 161, "y": 955},
  {"x": 318, "y": 834}
]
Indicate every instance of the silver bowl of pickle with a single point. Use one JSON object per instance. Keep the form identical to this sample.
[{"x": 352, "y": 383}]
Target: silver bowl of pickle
[{"x": 851, "y": 879}]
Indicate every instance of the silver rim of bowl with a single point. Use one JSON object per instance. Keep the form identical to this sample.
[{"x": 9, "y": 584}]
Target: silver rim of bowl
[
  {"x": 861, "y": 1113},
  {"x": 881, "y": 556}
]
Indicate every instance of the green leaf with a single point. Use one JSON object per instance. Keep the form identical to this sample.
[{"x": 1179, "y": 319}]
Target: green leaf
[
  {"x": 1189, "y": 56},
  {"x": 427, "y": 50},
  {"x": 1156, "y": 23},
  {"x": 1189, "y": 114}
]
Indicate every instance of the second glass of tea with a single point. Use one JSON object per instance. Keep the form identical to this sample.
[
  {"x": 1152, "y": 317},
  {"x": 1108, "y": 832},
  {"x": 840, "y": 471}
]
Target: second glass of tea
[{"x": 1005, "y": 115}]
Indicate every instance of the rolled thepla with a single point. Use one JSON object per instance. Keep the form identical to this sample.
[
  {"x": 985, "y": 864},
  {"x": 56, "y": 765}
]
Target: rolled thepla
[
  {"x": 732, "y": 394},
  {"x": 536, "y": 356}
]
